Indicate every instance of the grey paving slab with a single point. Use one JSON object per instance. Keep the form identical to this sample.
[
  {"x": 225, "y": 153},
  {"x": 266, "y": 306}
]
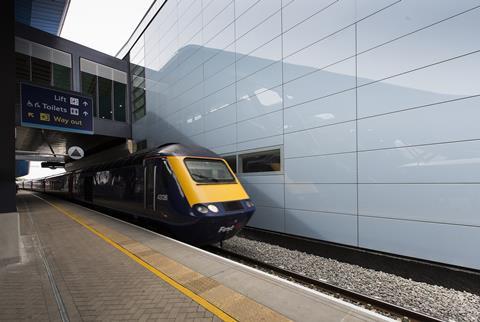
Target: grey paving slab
[
  {"x": 290, "y": 300},
  {"x": 96, "y": 281},
  {"x": 9, "y": 238},
  {"x": 25, "y": 291}
]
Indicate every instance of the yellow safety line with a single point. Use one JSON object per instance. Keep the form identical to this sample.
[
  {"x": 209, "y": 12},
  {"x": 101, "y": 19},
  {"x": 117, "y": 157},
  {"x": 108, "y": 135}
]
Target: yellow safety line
[{"x": 200, "y": 300}]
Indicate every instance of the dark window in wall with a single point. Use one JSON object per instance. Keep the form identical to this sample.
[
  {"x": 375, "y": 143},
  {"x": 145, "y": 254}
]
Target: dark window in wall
[
  {"x": 61, "y": 77},
  {"x": 89, "y": 88},
  {"x": 141, "y": 145},
  {"x": 264, "y": 161},
  {"x": 138, "y": 91},
  {"x": 119, "y": 99},
  {"x": 104, "y": 98},
  {"x": 232, "y": 162},
  {"x": 22, "y": 65},
  {"x": 138, "y": 103},
  {"x": 41, "y": 71},
  {"x": 109, "y": 95}
]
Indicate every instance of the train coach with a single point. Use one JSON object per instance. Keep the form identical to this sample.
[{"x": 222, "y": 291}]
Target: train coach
[{"x": 189, "y": 189}]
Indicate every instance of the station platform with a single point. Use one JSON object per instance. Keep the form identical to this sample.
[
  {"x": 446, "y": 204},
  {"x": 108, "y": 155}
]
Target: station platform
[{"x": 80, "y": 265}]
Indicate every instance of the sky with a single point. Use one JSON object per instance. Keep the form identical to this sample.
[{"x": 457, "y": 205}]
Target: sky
[
  {"x": 104, "y": 25},
  {"x": 36, "y": 171}
]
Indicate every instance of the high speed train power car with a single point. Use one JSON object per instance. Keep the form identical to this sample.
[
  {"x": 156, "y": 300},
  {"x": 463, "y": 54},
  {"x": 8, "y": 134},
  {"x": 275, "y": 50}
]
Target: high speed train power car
[{"x": 190, "y": 189}]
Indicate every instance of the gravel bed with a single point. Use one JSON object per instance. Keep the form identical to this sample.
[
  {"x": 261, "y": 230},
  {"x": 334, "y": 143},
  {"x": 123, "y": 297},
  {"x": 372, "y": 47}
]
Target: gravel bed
[{"x": 436, "y": 301}]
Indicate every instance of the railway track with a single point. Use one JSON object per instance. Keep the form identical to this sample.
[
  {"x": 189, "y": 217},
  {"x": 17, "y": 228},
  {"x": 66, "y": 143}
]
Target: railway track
[{"x": 369, "y": 302}]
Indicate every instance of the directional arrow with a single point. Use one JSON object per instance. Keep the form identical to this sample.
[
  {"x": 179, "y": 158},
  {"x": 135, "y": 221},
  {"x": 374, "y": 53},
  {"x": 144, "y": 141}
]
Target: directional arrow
[
  {"x": 85, "y": 113},
  {"x": 29, "y": 104},
  {"x": 85, "y": 103},
  {"x": 75, "y": 153}
]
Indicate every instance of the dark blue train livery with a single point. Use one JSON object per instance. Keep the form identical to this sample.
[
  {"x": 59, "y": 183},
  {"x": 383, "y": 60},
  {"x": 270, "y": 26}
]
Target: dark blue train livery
[{"x": 189, "y": 189}]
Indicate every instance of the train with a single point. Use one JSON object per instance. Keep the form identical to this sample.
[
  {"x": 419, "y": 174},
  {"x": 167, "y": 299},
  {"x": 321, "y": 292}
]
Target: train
[{"x": 188, "y": 189}]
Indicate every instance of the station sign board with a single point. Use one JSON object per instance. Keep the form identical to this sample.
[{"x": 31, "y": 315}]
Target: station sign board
[{"x": 46, "y": 108}]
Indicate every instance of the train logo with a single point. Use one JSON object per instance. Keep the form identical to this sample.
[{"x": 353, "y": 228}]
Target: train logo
[{"x": 224, "y": 229}]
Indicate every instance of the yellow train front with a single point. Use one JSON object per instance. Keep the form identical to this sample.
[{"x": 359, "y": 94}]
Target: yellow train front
[
  {"x": 197, "y": 194},
  {"x": 205, "y": 196}
]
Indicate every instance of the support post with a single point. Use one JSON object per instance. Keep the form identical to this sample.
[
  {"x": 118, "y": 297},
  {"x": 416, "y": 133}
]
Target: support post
[
  {"x": 9, "y": 220},
  {"x": 7, "y": 121}
]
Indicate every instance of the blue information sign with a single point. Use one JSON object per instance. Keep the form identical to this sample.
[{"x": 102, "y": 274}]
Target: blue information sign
[{"x": 48, "y": 108}]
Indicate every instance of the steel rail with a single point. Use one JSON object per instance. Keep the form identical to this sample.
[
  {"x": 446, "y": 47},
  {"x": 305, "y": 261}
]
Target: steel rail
[{"x": 403, "y": 313}]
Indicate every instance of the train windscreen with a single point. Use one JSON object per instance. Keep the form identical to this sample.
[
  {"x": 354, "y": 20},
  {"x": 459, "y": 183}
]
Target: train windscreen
[{"x": 209, "y": 171}]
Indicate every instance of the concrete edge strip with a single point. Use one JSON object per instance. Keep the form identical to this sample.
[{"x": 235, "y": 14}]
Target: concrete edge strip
[{"x": 130, "y": 247}]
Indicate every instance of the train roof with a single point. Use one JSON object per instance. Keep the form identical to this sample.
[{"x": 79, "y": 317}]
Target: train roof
[
  {"x": 170, "y": 149},
  {"x": 176, "y": 149}
]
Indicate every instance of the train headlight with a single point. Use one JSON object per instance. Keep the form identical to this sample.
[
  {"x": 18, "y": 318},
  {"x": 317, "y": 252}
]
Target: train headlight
[
  {"x": 202, "y": 209},
  {"x": 212, "y": 208},
  {"x": 250, "y": 204}
]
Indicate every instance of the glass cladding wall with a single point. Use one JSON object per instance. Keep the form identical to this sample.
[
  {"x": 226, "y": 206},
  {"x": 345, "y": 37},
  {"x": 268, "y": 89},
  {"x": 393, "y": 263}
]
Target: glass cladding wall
[{"x": 373, "y": 103}]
